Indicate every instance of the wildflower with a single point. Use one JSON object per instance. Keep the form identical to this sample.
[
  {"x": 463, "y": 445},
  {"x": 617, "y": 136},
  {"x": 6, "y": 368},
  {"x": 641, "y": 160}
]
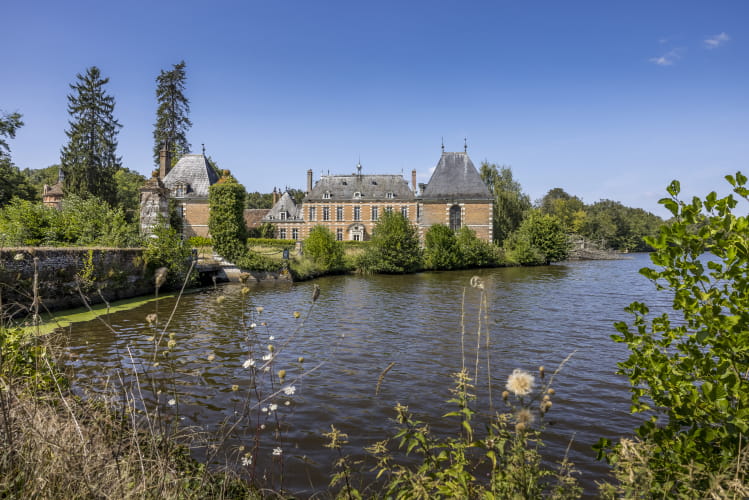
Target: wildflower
[
  {"x": 289, "y": 390},
  {"x": 287, "y": 403},
  {"x": 301, "y": 359},
  {"x": 281, "y": 374},
  {"x": 551, "y": 391},
  {"x": 253, "y": 325},
  {"x": 505, "y": 395},
  {"x": 152, "y": 318},
  {"x": 267, "y": 357},
  {"x": 172, "y": 402},
  {"x": 156, "y": 364},
  {"x": 266, "y": 369},
  {"x": 171, "y": 343},
  {"x": 247, "y": 460},
  {"x": 235, "y": 388},
  {"x": 541, "y": 371},
  {"x": 248, "y": 363},
  {"x": 271, "y": 348},
  {"x": 524, "y": 416},
  {"x": 259, "y": 309},
  {"x": 245, "y": 290},
  {"x": 277, "y": 452},
  {"x": 220, "y": 299},
  {"x": 477, "y": 282},
  {"x": 297, "y": 314},
  {"x": 520, "y": 382},
  {"x": 264, "y": 409},
  {"x": 272, "y": 407},
  {"x": 262, "y": 426},
  {"x": 271, "y": 338}
]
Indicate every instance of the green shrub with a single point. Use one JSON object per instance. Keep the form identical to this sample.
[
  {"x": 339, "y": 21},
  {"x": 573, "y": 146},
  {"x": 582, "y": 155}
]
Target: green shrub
[
  {"x": 165, "y": 248},
  {"x": 475, "y": 252},
  {"x": 394, "y": 247},
  {"x": 441, "y": 250},
  {"x": 540, "y": 239},
  {"x": 689, "y": 374},
  {"x": 271, "y": 242},
  {"x": 322, "y": 248}
]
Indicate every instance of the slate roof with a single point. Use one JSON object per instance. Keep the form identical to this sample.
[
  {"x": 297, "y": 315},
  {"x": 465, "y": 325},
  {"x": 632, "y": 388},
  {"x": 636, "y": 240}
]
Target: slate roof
[
  {"x": 455, "y": 178},
  {"x": 193, "y": 171},
  {"x": 370, "y": 187},
  {"x": 284, "y": 205}
]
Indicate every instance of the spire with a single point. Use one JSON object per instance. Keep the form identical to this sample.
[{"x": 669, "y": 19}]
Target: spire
[
  {"x": 465, "y": 144},
  {"x": 203, "y": 148},
  {"x": 443, "y": 144}
]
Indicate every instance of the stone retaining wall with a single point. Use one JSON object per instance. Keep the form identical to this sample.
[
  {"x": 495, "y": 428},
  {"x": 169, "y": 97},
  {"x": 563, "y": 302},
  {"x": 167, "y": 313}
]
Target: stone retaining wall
[{"x": 114, "y": 273}]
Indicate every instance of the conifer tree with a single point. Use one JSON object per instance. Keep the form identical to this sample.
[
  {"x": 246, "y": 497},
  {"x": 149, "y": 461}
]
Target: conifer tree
[
  {"x": 172, "y": 120},
  {"x": 89, "y": 160}
]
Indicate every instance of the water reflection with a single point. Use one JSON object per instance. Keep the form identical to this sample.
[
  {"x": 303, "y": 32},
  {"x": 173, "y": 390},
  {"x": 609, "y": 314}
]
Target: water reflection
[{"x": 538, "y": 316}]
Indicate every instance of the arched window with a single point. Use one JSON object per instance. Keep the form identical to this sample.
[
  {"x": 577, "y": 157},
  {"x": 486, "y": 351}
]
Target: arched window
[{"x": 455, "y": 217}]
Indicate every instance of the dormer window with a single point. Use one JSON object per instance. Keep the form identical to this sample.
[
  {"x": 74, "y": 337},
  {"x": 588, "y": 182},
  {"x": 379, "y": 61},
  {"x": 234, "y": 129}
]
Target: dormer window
[
  {"x": 283, "y": 215},
  {"x": 180, "y": 190},
  {"x": 357, "y": 195},
  {"x": 390, "y": 194},
  {"x": 326, "y": 195}
]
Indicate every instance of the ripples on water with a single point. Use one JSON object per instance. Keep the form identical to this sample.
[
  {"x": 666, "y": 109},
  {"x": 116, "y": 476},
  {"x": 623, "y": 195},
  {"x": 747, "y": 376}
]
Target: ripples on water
[{"x": 538, "y": 316}]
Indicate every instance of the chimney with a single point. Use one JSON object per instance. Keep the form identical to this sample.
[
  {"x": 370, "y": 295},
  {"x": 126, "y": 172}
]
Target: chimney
[
  {"x": 309, "y": 181},
  {"x": 275, "y": 197},
  {"x": 165, "y": 162},
  {"x": 413, "y": 180}
]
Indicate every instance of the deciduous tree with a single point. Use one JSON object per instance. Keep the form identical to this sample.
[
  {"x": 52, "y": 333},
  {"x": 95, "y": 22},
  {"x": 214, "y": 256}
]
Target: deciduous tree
[
  {"x": 394, "y": 247},
  {"x": 510, "y": 203}
]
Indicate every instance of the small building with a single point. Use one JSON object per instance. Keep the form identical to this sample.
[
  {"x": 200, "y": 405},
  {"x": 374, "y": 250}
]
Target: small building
[
  {"x": 456, "y": 196},
  {"x": 287, "y": 218},
  {"x": 52, "y": 195}
]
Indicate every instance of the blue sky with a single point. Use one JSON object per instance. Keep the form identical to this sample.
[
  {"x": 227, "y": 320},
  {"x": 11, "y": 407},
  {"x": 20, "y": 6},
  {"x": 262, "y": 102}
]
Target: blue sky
[{"x": 603, "y": 99}]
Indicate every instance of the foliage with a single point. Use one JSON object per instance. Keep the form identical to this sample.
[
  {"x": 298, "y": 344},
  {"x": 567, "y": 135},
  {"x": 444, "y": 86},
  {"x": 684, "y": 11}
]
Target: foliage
[
  {"x": 271, "y": 242},
  {"x": 9, "y": 124},
  {"x": 165, "y": 248},
  {"x": 689, "y": 373},
  {"x": 503, "y": 463},
  {"x": 442, "y": 250},
  {"x": 226, "y": 221},
  {"x": 89, "y": 160},
  {"x": 172, "y": 114},
  {"x": 227, "y": 227},
  {"x": 394, "y": 247},
  {"x": 257, "y": 200},
  {"x": 570, "y": 210},
  {"x": 23, "y": 356},
  {"x": 619, "y": 227},
  {"x": 510, "y": 203},
  {"x": 322, "y": 248},
  {"x": 80, "y": 222},
  {"x": 266, "y": 231},
  {"x": 540, "y": 239},
  {"x": 128, "y": 183},
  {"x": 475, "y": 252},
  {"x": 14, "y": 184},
  {"x": 38, "y": 177},
  {"x": 199, "y": 241}
]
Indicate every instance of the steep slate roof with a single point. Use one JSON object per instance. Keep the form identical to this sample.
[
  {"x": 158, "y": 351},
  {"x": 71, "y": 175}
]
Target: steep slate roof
[
  {"x": 196, "y": 172},
  {"x": 284, "y": 204},
  {"x": 370, "y": 187},
  {"x": 455, "y": 178}
]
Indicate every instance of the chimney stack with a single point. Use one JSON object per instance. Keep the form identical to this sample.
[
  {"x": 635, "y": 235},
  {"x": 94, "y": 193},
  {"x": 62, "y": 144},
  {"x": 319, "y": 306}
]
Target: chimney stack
[
  {"x": 275, "y": 197},
  {"x": 309, "y": 181},
  {"x": 413, "y": 180},
  {"x": 165, "y": 162}
]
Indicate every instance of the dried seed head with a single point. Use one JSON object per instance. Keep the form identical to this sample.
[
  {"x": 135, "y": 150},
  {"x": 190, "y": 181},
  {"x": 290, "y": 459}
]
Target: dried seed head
[
  {"x": 477, "y": 282},
  {"x": 245, "y": 290},
  {"x": 281, "y": 374},
  {"x": 243, "y": 277},
  {"x": 152, "y": 318},
  {"x": 160, "y": 276},
  {"x": 505, "y": 395},
  {"x": 541, "y": 371},
  {"x": 551, "y": 391},
  {"x": 297, "y": 314},
  {"x": 220, "y": 299},
  {"x": 301, "y": 359},
  {"x": 315, "y": 292}
]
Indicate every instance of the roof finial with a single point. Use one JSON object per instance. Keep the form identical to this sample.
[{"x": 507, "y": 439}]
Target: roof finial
[
  {"x": 465, "y": 144},
  {"x": 203, "y": 148},
  {"x": 443, "y": 144}
]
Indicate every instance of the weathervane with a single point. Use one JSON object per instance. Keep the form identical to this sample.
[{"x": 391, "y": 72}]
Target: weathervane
[
  {"x": 443, "y": 144},
  {"x": 465, "y": 144}
]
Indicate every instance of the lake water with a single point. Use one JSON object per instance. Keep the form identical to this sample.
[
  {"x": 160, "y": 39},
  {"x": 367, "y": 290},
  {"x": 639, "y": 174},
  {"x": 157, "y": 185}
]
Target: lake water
[{"x": 357, "y": 328}]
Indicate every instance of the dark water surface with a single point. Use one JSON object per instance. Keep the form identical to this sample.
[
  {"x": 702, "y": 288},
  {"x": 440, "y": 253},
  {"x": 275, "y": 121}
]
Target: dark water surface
[{"x": 537, "y": 316}]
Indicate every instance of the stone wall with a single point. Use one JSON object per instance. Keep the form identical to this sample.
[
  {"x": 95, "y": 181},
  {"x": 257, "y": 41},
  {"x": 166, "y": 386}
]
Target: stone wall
[{"x": 116, "y": 273}]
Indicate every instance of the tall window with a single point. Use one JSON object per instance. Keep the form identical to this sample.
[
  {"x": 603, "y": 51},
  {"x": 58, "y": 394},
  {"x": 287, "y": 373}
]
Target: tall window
[
  {"x": 325, "y": 213},
  {"x": 312, "y": 214},
  {"x": 389, "y": 209},
  {"x": 375, "y": 213},
  {"x": 339, "y": 234},
  {"x": 326, "y": 196},
  {"x": 295, "y": 234},
  {"x": 455, "y": 217},
  {"x": 389, "y": 195},
  {"x": 357, "y": 213},
  {"x": 283, "y": 215},
  {"x": 404, "y": 211},
  {"x": 282, "y": 233},
  {"x": 338, "y": 213}
]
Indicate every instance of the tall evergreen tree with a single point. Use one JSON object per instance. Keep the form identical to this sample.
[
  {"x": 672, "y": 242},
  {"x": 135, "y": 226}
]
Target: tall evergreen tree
[
  {"x": 89, "y": 160},
  {"x": 172, "y": 121}
]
